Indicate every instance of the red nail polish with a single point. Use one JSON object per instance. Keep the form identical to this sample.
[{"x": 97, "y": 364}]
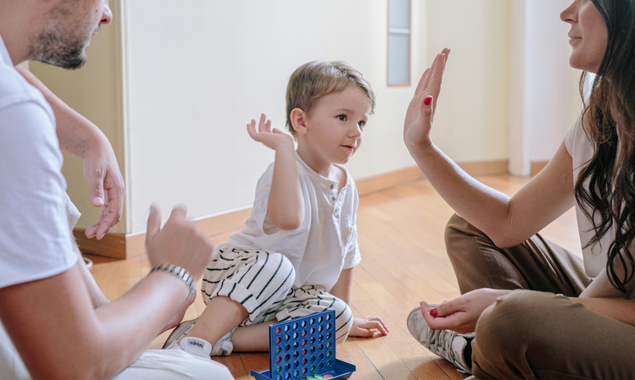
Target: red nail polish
[
  {"x": 433, "y": 312},
  {"x": 428, "y": 100}
]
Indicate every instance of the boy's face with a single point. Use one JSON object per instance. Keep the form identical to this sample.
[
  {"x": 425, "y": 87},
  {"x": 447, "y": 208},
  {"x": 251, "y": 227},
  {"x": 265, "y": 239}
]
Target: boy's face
[{"x": 336, "y": 125}]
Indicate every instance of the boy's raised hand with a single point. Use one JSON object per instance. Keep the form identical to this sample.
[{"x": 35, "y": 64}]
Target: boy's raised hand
[
  {"x": 420, "y": 112},
  {"x": 271, "y": 138}
]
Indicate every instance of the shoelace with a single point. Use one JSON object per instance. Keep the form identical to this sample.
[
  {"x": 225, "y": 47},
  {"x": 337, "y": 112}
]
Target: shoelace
[{"x": 440, "y": 343}]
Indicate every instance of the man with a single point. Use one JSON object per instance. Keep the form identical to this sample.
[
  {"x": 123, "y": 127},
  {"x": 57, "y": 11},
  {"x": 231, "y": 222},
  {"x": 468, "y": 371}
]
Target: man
[{"x": 44, "y": 304}]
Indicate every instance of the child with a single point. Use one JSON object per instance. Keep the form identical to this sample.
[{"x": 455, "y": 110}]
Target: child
[{"x": 297, "y": 252}]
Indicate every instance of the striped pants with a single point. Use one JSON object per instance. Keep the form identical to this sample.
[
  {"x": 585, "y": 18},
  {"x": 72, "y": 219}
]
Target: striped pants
[{"x": 262, "y": 282}]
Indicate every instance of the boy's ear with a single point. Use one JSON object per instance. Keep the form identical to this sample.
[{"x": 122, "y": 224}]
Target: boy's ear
[{"x": 299, "y": 121}]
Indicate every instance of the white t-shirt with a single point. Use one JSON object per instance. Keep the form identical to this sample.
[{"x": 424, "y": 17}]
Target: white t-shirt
[
  {"x": 595, "y": 256},
  {"x": 325, "y": 243},
  {"x": 35, "y": 240},
  {"x": 581, "y": 151}
]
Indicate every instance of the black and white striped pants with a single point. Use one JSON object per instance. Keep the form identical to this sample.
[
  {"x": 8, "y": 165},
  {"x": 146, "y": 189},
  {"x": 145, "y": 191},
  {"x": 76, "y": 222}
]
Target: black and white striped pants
[{"x": 262, "y": 282}]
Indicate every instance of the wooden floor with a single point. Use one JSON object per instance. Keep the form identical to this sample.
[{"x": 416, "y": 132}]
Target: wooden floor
[{"x": 403, "y": 263}]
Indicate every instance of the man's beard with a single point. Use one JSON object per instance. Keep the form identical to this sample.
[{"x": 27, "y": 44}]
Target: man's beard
[{"x": 59, "y": 49}]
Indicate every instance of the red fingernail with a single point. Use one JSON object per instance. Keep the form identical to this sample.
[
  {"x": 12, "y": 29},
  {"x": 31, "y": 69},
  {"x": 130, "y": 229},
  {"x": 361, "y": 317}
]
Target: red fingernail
[
  {"x": 433, "y": 312},
  {"x": 428, "y": 100}
]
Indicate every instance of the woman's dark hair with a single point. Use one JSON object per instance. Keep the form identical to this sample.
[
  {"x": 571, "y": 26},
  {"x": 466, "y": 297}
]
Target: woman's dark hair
[{"x": 605, "y": 189}]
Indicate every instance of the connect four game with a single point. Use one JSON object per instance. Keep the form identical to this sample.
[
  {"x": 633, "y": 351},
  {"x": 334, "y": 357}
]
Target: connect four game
[{"x": 304, "y": 349}]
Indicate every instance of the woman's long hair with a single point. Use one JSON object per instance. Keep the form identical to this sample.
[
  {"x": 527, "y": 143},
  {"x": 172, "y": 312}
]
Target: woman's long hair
[{"x": 609, "y": 121}]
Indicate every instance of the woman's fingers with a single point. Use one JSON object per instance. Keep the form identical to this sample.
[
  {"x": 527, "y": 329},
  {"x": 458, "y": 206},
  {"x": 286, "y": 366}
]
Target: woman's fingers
[
  {"x": 436, "y": 78},
  {"x": 423, "y": 81}
]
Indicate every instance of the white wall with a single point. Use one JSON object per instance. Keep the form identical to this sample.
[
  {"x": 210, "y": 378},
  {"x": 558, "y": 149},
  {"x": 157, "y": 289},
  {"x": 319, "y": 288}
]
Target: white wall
[
  {"x": 174, "y": 96},
  {"x": 200, "y": 71},
  {"x": 544, "y": 86}
]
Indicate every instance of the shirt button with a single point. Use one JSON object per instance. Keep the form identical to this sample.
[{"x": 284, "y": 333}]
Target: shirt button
[
  {"x": 332, "y": 186},
  {"x": 334, "y": 198}
]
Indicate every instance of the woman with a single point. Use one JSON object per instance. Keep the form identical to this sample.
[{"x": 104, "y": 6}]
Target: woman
[{"x": 529, "y": 308}]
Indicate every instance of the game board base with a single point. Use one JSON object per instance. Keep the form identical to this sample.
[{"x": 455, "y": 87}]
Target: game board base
[{"x": 342, "y": 370}]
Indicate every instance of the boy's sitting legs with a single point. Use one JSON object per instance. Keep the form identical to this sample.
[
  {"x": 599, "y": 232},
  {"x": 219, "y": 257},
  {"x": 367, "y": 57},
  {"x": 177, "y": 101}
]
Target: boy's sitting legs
[
  {"x": 299, "y": 302},
  {"x": 238, "y": 286}
]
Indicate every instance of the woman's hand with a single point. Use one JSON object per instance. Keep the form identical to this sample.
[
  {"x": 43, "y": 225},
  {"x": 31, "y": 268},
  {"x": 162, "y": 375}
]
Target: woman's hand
[
  {"x": 461, "y": 313},
  {"x": 420, "y": 112},
  {"x": 365, "y": 327},
  {"x": 178, "y": 242},
  {"x": 271, "y": 138}
]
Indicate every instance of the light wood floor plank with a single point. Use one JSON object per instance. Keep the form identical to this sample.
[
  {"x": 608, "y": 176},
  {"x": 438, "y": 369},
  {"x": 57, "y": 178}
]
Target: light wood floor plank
[{"x": 400, "y": 232}]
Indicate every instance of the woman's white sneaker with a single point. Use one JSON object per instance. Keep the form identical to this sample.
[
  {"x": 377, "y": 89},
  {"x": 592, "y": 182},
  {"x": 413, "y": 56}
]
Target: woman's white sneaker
[{"x": 448, "y": 344}]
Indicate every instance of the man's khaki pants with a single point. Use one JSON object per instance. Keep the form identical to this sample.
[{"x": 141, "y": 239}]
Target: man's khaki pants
[{"x": 532, "y": 332}]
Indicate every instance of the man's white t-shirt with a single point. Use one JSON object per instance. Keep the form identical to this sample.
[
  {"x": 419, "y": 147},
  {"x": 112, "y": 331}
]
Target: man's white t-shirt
[
  {"x": 325, "y": 243},
  {"x": 35, "y": 240}
]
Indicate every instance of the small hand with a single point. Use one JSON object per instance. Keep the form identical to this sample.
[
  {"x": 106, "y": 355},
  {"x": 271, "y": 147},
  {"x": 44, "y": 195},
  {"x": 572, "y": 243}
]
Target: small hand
[
  {"x": 461, "y": 313},
  {"x": 107, "y": 189},
  {"x": 179, "y": 242},
  {"x": 421, "y": 110},
  {"x": 271, "y": 138},
  {"x": 365, "y": 327}
]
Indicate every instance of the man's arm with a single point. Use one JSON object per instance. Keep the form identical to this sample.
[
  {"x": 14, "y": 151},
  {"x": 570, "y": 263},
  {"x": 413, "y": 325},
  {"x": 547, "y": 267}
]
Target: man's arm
[
  {"x": 59, "y": 334},
  {"x": 77, "y": 135},
  {"x": 97, "y": 297}
]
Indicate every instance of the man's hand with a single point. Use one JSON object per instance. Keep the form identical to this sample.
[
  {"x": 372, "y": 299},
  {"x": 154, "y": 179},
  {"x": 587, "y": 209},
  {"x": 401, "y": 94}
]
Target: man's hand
[
  {"x": 461, "y": 313},
  {"x": 178, "y": 242},
  {"x": 365, "y": 327},
  {"x": 79, "y": 136},
  {"x": 107, "y": 189}
]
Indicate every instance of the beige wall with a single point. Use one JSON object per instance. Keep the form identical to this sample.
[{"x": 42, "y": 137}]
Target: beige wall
[
  {"x": 175, "y": 98},
  {"x": 544, "y": 97},
  {"x": 473, "y": 111},
  {"x": 94, "y": 92}
]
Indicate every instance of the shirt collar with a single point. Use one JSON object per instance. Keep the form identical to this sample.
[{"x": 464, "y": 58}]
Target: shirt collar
[
  {"x": 4, "y": 54},
  {"x": 320, "y": 178}
]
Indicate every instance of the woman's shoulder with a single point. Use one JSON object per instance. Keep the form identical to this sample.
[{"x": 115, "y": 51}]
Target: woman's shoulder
[{"x": 576, "y": 138}]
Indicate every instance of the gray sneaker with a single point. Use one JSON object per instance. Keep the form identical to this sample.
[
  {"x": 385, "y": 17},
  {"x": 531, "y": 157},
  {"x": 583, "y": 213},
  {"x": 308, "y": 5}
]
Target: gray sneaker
[
  {"x": 448, "y": 344},
  {"x": 223, "y": 347},
  {"x": 179, "y": 333}
]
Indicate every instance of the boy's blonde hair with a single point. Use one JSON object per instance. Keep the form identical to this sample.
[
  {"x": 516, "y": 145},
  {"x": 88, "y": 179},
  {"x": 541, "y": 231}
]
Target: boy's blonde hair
[{"x": 316, "y": 79}]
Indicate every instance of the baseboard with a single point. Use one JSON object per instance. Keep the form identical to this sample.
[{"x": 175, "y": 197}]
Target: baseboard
[
  {"x": 387, "y": 180},
  {"x": 122, "y": 246},
  {"x": 111, "y": 245},
  {"x": 537, "y": 166},
  {"x": 498, "y": 167}
]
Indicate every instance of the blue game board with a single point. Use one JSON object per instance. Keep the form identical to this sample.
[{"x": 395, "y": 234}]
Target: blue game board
[{"x": 304, "y": 348}]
